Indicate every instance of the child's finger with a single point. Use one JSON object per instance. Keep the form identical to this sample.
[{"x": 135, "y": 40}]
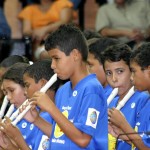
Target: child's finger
[{"x": 7, "y": 120}]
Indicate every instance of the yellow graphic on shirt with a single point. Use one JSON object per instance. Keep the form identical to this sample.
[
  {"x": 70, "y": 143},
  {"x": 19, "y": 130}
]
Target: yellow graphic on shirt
[
  {"x": 58, "y": 132},
  {"x": 136, "y": 129},
  {"x": 111, "y": 142}
]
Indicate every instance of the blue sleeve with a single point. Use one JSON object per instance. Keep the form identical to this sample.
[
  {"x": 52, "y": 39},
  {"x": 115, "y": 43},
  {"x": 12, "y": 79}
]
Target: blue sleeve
[
  {"x": 42, "y": 141},
  {"x": 92, "y": 111},
  {"x": 47, "y": 117}
]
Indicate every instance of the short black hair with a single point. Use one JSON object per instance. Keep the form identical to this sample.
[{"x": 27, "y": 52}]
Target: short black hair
[
  {"x": 141, "y": 55},
  {"x": 15, "y": 73},
  {"x": 116, "y": 53},
  {"x": 42, "y": 70},
  {"x": 11, "y": 60},
  {"x": 97, "y": 46},
  {"x": 66, "y": 38}
]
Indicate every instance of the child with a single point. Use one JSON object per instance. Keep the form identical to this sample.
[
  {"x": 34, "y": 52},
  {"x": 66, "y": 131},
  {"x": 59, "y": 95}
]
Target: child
[
  {"x": 96, "y": 48},
  {"x": 35, "y": 77},
  {"x": 116, "y": 65},
  {"x": 13, "y": 86},
  {"x": 7, "y": 63},
  {"x": 80, "y": 114},
  {"x": 140, "y": 66}
]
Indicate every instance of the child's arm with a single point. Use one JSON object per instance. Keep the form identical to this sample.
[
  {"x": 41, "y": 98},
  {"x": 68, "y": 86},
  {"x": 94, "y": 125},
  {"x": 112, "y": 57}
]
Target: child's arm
[
  {"x": 6, "y": 143},
  {"x": 43, "y": 125},
  {"x": 77, "y": 136},
  {"x": 13, "y": 136},
  {"x": 116, "y": 118},
  {"x": 33, "y": 116},
  {"x": 118, "y": 133}
]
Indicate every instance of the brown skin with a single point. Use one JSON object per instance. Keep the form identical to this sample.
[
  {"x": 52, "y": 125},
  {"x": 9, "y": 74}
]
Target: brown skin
[
  {"x": 8, "y": 131},
  {"x": 76, "y": 70},
  {"x": 141, "y": 80},
  {"x": 134, "y": 34},
  {"x": 118, "y": 75},
  {"x": 97, "y": 68}
]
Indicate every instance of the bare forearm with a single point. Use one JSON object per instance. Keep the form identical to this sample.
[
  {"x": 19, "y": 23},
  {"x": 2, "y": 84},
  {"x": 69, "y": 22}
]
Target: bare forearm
[
  {"x": 52, "y": 27},
  {"x": 65, "y": 17},
  {"x": 69, "y": 129},
  {"x": 134, "y": 137},
  {"x": 21, "y": 143},
  {"x": 113, "y": 32},
  {"x": 44, "y": 126}
]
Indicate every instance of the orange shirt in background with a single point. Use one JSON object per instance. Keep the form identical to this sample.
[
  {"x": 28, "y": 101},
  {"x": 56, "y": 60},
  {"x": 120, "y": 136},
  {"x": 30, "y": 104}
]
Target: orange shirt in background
[{"x": 39, "y": 19}]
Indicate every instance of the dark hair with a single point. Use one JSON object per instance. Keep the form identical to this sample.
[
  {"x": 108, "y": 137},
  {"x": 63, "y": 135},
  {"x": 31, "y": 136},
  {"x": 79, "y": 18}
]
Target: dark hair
[
  {"x": 15, "y": 73},
  {"x": 97, "y": 46},
  {"x": 11, "y": 60},
  {"x": 116, "y": 53},
  {"x": 42, "y": 70},
  {"x": 89, "y": 34},
  {"x": 66, "y": 38},
  {"x": 141, "y": 55}
]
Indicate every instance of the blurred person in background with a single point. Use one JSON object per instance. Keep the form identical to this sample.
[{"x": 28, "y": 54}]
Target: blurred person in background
[
  {"x": 44, "y": 17},
  {"x": 127, "y": 20}
]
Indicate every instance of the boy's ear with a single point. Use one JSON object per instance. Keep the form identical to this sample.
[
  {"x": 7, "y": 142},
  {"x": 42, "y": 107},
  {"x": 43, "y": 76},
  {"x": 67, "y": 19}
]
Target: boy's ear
[
  {"x": 76, "y": 54},
  {"x": 42, "y": 82}
]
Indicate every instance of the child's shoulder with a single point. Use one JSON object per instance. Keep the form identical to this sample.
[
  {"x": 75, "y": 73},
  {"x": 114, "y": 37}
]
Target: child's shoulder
[{"x": 141, "y": 94}]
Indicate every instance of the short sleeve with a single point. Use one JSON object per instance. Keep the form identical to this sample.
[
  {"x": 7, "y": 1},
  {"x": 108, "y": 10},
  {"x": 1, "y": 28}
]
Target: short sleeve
[
  {"x": 64, "y": 3},
  {"x": 92, "y": 112},
  {"x": 26, "y": 13},
  {"x": 102, "y": 20}
]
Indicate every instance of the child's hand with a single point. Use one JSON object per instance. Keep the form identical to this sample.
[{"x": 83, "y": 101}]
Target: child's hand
[
  {"x": 111, "y": 131},
  {"x": 41, "y": 100},
  {"x": 32, "y": 115},
  {"x": 10, "y": 130},
  {"x": 7, "y": 134},
  {"x": 6, "y": 143},
  {"x": 116, "y": 117}
]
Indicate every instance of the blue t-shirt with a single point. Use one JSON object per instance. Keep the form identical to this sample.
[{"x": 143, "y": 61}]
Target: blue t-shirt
[
  {"x": 85, "y": 106},
  {"x": 143, "y": 123},
  {"x": 33, "y": 136},
  {"x": 130, "y": 110}
]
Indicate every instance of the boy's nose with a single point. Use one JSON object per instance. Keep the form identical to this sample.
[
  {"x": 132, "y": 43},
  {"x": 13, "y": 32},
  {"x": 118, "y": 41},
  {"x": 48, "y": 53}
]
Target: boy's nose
[
  {"x": 9, "y": 98},
  {"x": 131, "y": 77},
  {"x": 53, "y": 66},
  {"x": 114, "y": 78}
]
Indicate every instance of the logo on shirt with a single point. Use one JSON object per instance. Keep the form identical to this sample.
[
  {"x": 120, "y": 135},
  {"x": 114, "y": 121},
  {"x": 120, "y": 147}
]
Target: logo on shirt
[
  {"x": 92, "y": 117},
  {"x": 31, "y": 126},
  {"x": 45, "y": 143},
  {"x": 132, "y": 105},
  {"x": 58, "y": 132},
  {"x": 75, "y": 93},
  {"x": 138, "y": 123},
  {"x": 24, "y": 125}
]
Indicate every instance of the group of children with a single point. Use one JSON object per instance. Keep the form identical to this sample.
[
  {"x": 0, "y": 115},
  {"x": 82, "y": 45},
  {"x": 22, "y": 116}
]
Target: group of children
[{"x": 74, "y": 115}]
